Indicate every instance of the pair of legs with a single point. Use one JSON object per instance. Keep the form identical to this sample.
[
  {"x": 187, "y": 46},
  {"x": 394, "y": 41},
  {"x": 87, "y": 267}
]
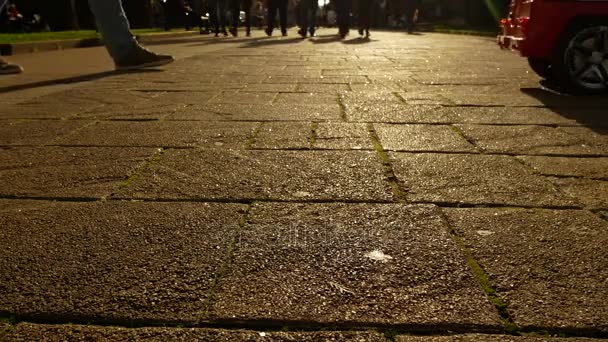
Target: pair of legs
[
  {"x": 120, "y": 43},
  {"x": 365, "y": 14},
  {"x": 308, "y": 17},
  {"x": 235, "y": 5},
  {"x": 411, "y": 7},
  {"x": 217, "y": 16},
  {"x": 343, "y": 9},
  {"x": 273, "y": 7}
]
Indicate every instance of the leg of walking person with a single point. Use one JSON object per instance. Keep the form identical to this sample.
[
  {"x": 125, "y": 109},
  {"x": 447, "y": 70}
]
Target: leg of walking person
[
  {"x": 365, "y": 14},
  {"x": 235, "y": 9},
  {"x": 122, "y": 46},
  {"x": 302, "y": 17},
  {"x": 313, "y": 6},
  {"x": 7, "y": 68},
  {"x": 283, "y": 16},
  {"x": 272, "y": 13},
  {"x": 343, "y": 8},
  {"x": 247, "y": 8}
]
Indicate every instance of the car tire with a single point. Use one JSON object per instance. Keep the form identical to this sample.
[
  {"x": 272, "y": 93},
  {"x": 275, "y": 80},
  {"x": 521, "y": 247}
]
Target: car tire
[
  {"x": 580, "y": 62},
  {"x": 541, "y": 66}
]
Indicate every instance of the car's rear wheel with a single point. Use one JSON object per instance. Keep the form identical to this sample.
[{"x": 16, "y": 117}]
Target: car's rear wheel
[
  {"x": 581, "y": 59},
  {"x": 541, "y": 66}
]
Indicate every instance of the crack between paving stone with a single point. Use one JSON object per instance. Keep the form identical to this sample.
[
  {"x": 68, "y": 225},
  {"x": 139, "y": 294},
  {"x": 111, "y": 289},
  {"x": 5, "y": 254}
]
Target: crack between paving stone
[
  {"x": 137, "y": 173},
  {"x": 254, "y": 135},
  {"x": 470, "y": 140},
  {"x": 313, "y": 134},
  {"x": 212, "y": 293},
  {"x": 483, "y": 280},
  {"x": 398, "y": 192}
]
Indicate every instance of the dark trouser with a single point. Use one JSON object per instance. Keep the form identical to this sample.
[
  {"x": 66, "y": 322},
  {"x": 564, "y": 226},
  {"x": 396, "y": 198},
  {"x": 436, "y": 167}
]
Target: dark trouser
[
  {"x": 410, "y": 11},
  {"x": 281, "y": 6},
  {"x": 235, "y": 6},
  {"x": 343, "y": 9},
  {"x": 365, "y": 14},
  {"x": 308, "y": 15},
  {"x": 217, "y": 14}
]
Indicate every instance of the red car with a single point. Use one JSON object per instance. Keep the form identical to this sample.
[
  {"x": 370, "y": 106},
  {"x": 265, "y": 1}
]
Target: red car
[{"x": 565, "y": 41}]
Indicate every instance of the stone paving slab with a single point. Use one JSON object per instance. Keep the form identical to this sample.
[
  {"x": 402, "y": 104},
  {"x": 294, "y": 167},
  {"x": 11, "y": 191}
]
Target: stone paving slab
[
  {"x": 112, "y": 261},
  {"x": 244, "y": 112},
  {"x": 36, "y": 132},
  {"x": 163, "y": 134},
  {"x": 357, "y": 264},
  {"x": 41, "y": 332},
  {"x": 268, "y": 175},
  {"x": 301, "y": 98},
  {"x": 138, "y": 111},
  {"x": 595, "y": 137},
  {"x": 548, "y": 266},
  {"x": 399, "y": 113},
  {"x": 591, "y": 193},
  {"x": 508, "y": 115},
  {"x": 229, "y": 97},
  {"x": 417, "y": 138},
  {"x": 473, "y": 179},
  {"x": 528, "y": 140},
  {"x": 68, "y": 172},
  {"x": 569, "y": 166},
  {"x": 284, "y": 135},
  {"x": 340, "y": 135}
]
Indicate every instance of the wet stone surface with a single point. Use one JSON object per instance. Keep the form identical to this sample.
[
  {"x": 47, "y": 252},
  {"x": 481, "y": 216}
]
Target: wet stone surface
[
  {"x": 68, "y": 172},
  {"x": 474, "y": 179},
  {"x": 113, "y": 261},
  {"x": 31, "y": 332},
  {"x": 277, "y": 175},
  {"x": 415, "y": 138},
  {"x": 163, "y": 134},
  {"x": 357, "y": 264},
  {"x": 548, "y": 266}
]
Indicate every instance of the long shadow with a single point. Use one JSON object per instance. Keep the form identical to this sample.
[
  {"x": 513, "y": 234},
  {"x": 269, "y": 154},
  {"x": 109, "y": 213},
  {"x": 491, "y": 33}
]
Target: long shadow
[
  {"x": 73, "y": 79},
  {"x": 228, "y": 40},
  {"x": 358, "y": 40},
  {"x": 588, "y": 110},
  {"x": 326, "y": 39}
]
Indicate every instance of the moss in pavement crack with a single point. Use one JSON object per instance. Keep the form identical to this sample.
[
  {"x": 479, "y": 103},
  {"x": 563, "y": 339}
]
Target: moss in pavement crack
[
  {"x": 386, "y": 163},
  {"x": 135, "y": 175}
]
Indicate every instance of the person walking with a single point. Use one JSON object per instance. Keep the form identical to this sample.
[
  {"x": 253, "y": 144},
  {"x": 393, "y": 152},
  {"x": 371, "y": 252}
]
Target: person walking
[
  {"x": 343, "y": 9},
  {"x": 236, "y": 6},
  {"x": 121, "y": 45},
  {"x": 411, "y": 13},
  {"x": 217, "y": 16},
  {"x": 273, "y": 7},
  {"x": 308, "y": 17},
  {"x": 365, "y": 8}
]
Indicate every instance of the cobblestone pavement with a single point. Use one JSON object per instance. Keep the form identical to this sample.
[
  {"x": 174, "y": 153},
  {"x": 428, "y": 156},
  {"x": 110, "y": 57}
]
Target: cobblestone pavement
[{"x": 288, "y": 189}]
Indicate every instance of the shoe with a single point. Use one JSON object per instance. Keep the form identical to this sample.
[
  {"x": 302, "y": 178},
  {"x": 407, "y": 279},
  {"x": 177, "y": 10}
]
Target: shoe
[
  {"x": 360, "y": 31},
  {"x": 312, "y": 33},
  {"x": 225, "y": 33},
  {"x": 9, "y": 68},
  {"x": 284, "y": 33},
  {"x": 268, "y": 32},
  {"x": 367, "y": 34},
  {"x": 140, "y": 57},
  {"x": 302, "y": 32},
  {"x": 234, "y": 32},
  {"x": 248, "y": 34}
]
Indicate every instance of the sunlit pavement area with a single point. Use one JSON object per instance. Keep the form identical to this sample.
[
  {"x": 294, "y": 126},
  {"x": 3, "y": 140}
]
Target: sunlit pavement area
[{"x": 408, "y": 187}]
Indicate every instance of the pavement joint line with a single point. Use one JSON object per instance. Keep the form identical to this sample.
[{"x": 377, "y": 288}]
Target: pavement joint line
[
  {"x": 483, "y": 279},
  {"x": 254, "y": 135},
  {"x": 398, "y": 193},
  {"x": 234, "y": 244},
  {"x": 468, "y": 139},
  {"x": 275, "y": 200},
  {"x": 137, "y": 173},
  {"x": 313, "y": 133}
]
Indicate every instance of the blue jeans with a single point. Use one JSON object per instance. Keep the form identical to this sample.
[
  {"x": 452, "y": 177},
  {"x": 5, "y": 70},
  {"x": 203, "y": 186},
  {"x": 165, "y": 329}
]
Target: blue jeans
[{"x": 114, "y": 27}]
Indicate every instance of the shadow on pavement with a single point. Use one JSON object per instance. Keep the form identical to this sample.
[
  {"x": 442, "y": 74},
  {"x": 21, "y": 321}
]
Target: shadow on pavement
[
  {"x": 326, "y": 39},
  {"x": 587, "y": 110},
  {"x": 358, "y": 40},
  {"x": 72, "y": 79},
  {"x": 269, "y": 42}
]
